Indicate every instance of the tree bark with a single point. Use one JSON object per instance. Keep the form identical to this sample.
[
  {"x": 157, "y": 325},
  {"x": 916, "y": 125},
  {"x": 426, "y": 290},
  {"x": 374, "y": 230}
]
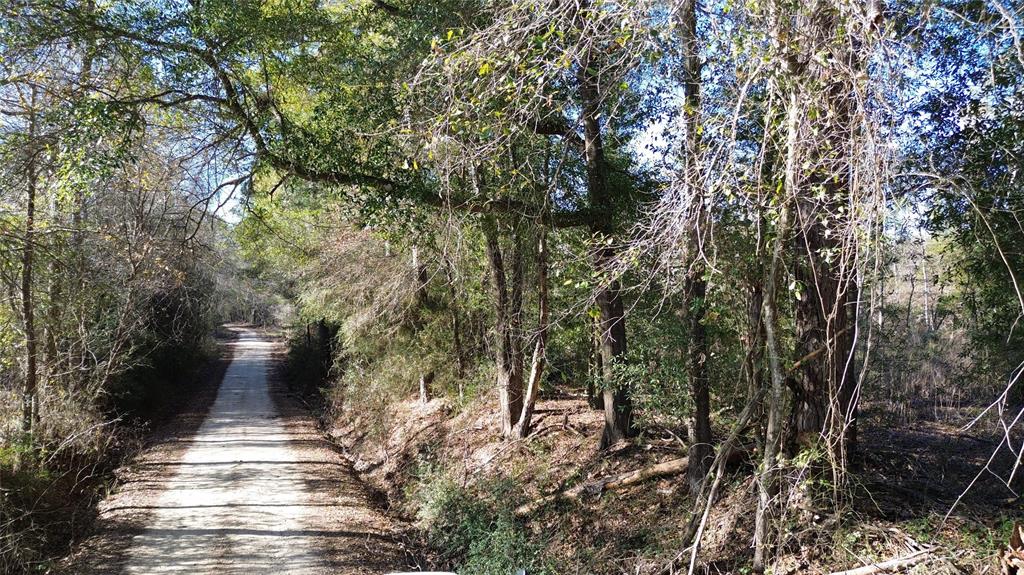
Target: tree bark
[
  {"x": 508, "y": 301},
  {"x": 618, "y": 408},
  {"x": 701, "y": 449},
  {"x": 822, "y": 322},
  {"x": 595, "y": 399},
  {"x": 460, "y": 354},
  {"x": 325, "y": 339},
  {"x": 422, "y": 301},
  {"x": 665, "y": 468},
  {"x": 30, "y": 411},
  {"x": 54, "y": 309},
  {"x": 823, "y": 389},
  {"x": 77, "y": 349},
  {"x": 695, "y": 292},
  {"x": 522, "y": 427},
  {"x": 425, "y": 380},
  {"x": 767, "y": 480}
]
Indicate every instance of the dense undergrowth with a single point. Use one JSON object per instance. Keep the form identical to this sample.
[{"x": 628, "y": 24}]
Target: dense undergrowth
[{"x": 474, "y": 528}]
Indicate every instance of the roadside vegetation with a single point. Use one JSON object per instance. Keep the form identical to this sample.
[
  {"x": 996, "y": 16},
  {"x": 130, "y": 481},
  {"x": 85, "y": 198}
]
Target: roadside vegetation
[
  {"x": 115, "y": 276},
  {"x": 582, "y": 287}
]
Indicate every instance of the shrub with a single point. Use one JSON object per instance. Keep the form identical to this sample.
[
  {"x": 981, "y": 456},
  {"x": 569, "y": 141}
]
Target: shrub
[{"x": 475, "y": 532}]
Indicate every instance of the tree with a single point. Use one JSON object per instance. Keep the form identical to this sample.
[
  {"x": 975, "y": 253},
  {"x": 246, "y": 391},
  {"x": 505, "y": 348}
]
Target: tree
[
  {"x": 696, "y": 286},
  {"x": 30, "y": 413}
]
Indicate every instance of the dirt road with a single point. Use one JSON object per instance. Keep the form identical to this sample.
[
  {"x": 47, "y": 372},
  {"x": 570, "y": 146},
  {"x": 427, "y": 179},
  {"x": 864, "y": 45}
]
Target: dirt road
[{"x": 255, "y": 489}]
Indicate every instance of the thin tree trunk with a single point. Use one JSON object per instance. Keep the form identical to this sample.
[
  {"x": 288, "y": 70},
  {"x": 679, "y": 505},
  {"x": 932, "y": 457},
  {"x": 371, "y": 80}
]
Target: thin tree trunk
[
  {"x": 422, "y": 301},
  {"x": 30, "y": 411},
  {"x": 767, "y": 481},
  {"x": 522, "y": 427},
  {"x": 701, "y": 450},
  {"x": 460, "y": 354},
  {"x": 755, "y": 334},
  {"x": 595, "y": 399},
  {"x": 426, "y": 380},
  {"x": 325, "y": 340},
  {"x": 76, "y": 354},
  {"x": 55, "y": 307},
  {"x": 515, "y": 387},
  {"x": 618, "y": 407}
]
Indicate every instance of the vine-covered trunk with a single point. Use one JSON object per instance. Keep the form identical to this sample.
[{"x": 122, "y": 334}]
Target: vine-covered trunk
[
  {"x": 695, "y": 292},
  {"x": 822, "y": 269},
  {"x": 768, "y": 482},
  {"x": 822, "y": 386}
]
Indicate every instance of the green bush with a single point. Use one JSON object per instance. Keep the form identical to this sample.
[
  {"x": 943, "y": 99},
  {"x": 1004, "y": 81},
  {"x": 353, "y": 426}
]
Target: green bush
[{"x": 475, "y": 533}]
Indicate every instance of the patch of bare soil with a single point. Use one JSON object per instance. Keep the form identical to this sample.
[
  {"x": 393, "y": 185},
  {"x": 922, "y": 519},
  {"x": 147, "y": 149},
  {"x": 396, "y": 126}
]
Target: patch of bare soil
[
  {"x": 929, "y": 465},
  {"x": 933, "y": 483}
]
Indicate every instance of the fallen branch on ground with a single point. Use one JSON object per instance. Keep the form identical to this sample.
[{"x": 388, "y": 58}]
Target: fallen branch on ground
[
  {"x": 613, "y": 482},
  {"x": 671, "y": 467},
  {"x": 728, "y": 451},
  {"x": 898, "y": 563}
]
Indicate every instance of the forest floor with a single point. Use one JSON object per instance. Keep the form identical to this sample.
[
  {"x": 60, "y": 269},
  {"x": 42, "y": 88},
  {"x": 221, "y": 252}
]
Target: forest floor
[
  {"x": 243, "y": 483},
  {"x": 907, "y": 479}
]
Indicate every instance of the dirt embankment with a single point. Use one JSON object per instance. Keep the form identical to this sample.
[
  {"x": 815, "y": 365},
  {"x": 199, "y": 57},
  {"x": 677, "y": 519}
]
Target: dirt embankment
[
  {"x": 600, "y": 532},
  {"x": 906, "y": 481}
]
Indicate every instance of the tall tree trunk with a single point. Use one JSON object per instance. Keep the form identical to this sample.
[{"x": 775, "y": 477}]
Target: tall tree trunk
[
  {"x": 460, "y": 354},
  {"x": 77, "y": 348},
  {"x": 522, "y": 427},
  {"x": 30, "y": 410},
  {"x": 54, "y": 308},
  {"x": 822, "y": 322},
  {"x": 618, "y": 408},
  {"x": 695, "y": 292},
  {"x": 753, "y": 373},
  {"x": 768, "y": 476},
  {"x": 325, "y": 334},
  {"x": 701, "y": 452},
  {"x": 595, "y": 365},
  {"x": 823, "y": 388},
  {"x": 508, "y": 304}
]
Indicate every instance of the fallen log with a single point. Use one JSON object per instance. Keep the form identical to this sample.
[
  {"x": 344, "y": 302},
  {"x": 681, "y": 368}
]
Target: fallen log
[
  {"x": 613, "y": 482},
  {"x": 596, "y": 486},
  {"x": 890, "y": 565}
]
